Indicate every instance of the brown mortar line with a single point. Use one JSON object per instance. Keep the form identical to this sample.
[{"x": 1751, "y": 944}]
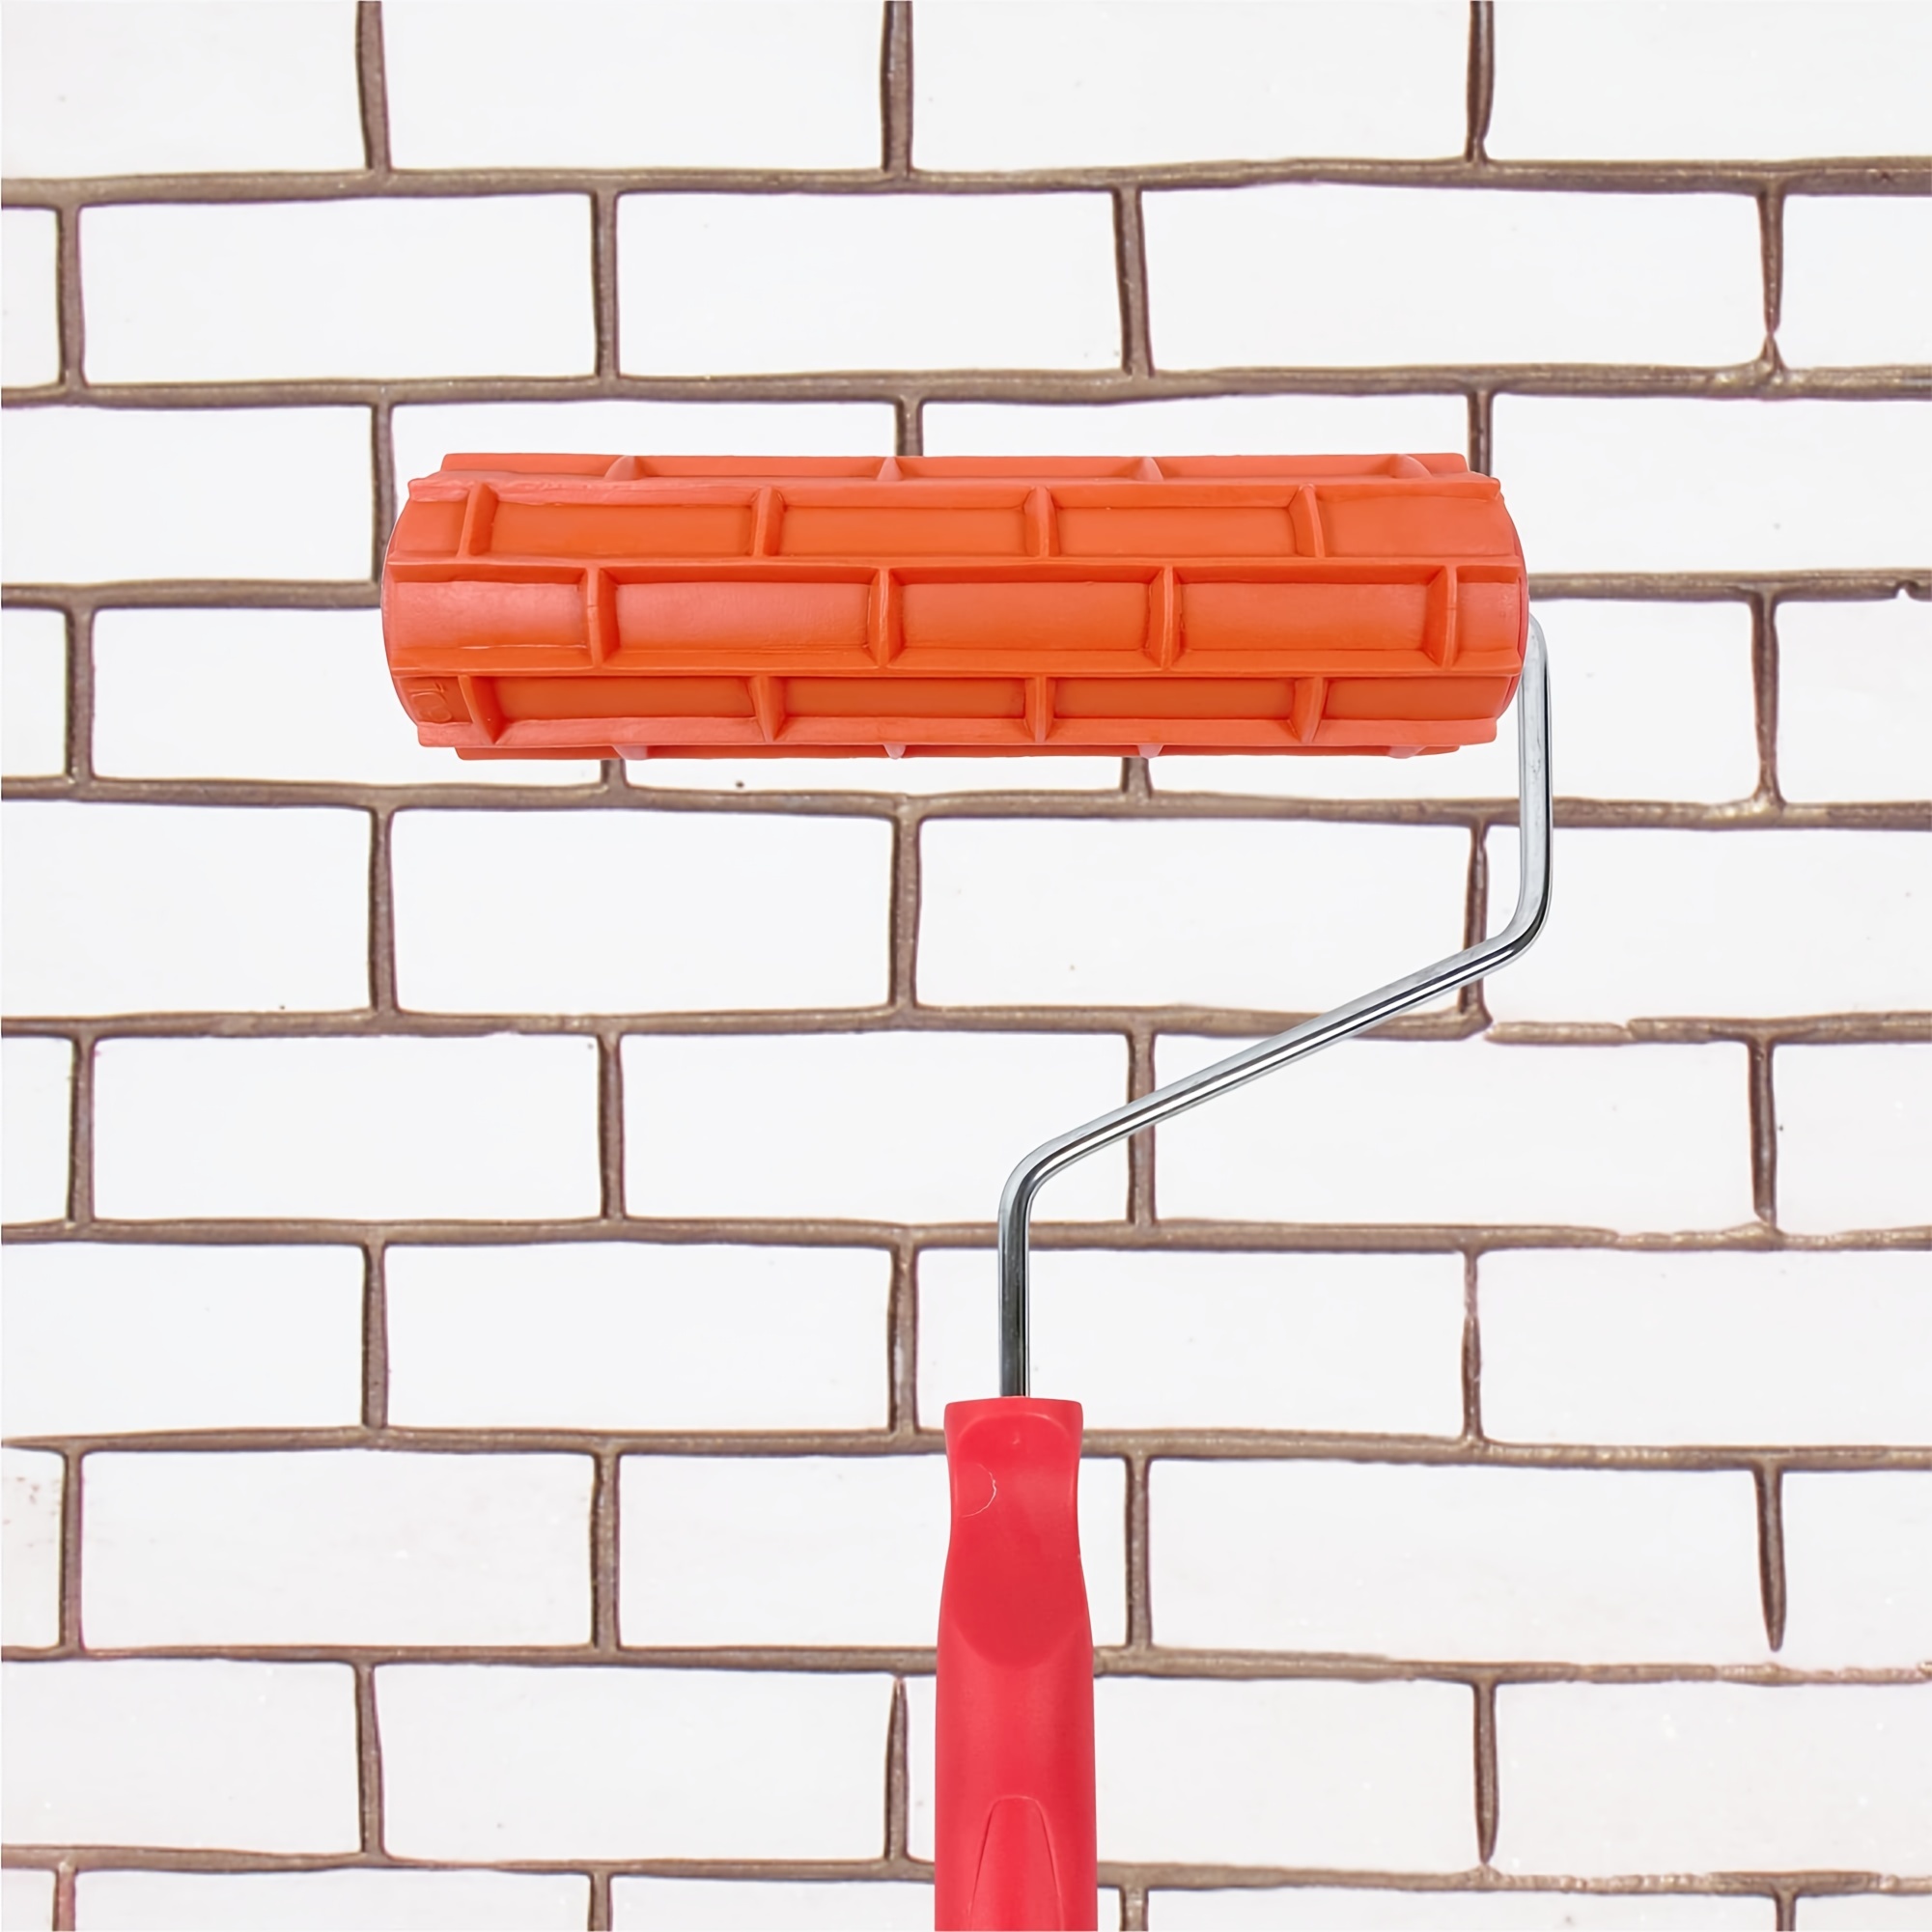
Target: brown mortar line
[
  {"x": 367, "y": 1761},
  {"x": 1134, "y": 1908},
  {"x": 895, "y": 91},
  {"x": 909, "y": 430},
  {"x": 1140, "y": 1557},
  {"x": 1129, "y": 260},
  {"x": 79, "y": 698},
  {"x": 898, "y": 1777},
  {"x": 1482, "y": 412},
  {"x": 63, "y": 1898},
  {"x": 610, "y": 1123},
  {"x": 375, "y": 1337},
  {"x": 902, "y": 1345},
  {"x": 72, "y": 1638},
  {"x": 372, "y": 88},
  {"x": 1141, "y": 1147},
  {"x": 80, "y": 1136},
  {"x": 599, "y": 1916},
  {"x": 1486, "y": 1781},
  {"x": 1472, "y": 1351},
  {"x": 70, "y": 311},
  {"x": 1481, "y": 82},
  {"x": 1763, "y": 1108},
  {"x": 1764, "y": 698},
  {"x": 605, "y": 1554},
  {"x": 603, "y": 287},
  {"x": 383, "y": 481},
  {"x": 1771, "y": 254},
  {"x": 1770, "y": 1566},
  {"x": 381, "y": 915},
  {"x": 902, "y": 938},
  {"x": 1786, "y": 1901}
]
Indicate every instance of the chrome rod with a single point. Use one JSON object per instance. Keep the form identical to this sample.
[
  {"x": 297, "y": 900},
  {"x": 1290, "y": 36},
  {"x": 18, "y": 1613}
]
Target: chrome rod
[{"x": 1370, "y": 1009}]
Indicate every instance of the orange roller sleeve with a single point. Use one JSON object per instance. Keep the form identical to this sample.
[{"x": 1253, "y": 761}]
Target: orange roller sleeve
[{"x": 572, "y": 606}]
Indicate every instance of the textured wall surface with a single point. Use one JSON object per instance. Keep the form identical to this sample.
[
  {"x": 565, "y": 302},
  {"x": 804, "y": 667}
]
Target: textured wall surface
[{"x": 490, "y": 1246}]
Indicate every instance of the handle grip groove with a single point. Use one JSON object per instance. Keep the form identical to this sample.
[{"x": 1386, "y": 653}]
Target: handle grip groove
[{"x": 1014, "y": 1846}]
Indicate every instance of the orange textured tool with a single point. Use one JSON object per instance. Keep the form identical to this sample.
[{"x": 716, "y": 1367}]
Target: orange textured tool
[{"x": 577, "y": 606}]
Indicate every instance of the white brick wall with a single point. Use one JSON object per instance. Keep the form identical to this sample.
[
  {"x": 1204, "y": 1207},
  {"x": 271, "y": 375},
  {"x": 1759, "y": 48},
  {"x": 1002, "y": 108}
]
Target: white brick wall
[
  {"x": 1666, "y": 482},
  {"x": 507, "y": 1458},
  {"x": 342, "y": 288},
  {"x": 1060, "y": 86},
  {"x": 1627, "y": 1138},
  {"x": 181, "y": 89},
  {"x": 1618, "y": 1777},
  {"x": 32, "y": 1570},
  {"x": 186, "y": 912},
  {"x": 1854, "y": 700},
  {"x": 1816, "y": 78},
  {"x": 499, "y": 1762},
  {"x": 33, "y": 700},
  {"x": 1001, "y": 282},
  {"x": 346, "y": 1901},
  {"x": 363, "y": 1129},
  {"x": 30, "y": 343},
  {"x": 1405, "y": 1561},
  {"x": 1583, "y": 1346},
  {"x": 1320, "y": 1342},
  {"x": 861, "y": 1126},
  {"x": 314, "y": 523},
  {"x": 763, "y": 85},
  {"x": 1661, "y": 923},
  {"x": 343, "y": 1546},
  {"x": 1313, "y": 276},
  {"x": 39, "y": 1086},
  {"x": 1201, "y": 911},
  {"x": 628, "y": 913},
  {"x": 122, "y": 1340},
  {"x": 602, "y": 1335},
  {"x": 1852, "y": 1129},
  {"x": 256, "y": 1757}
]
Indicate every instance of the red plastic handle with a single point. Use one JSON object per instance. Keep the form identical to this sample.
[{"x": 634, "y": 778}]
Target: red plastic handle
[{"x": 1015, "y": 1849}]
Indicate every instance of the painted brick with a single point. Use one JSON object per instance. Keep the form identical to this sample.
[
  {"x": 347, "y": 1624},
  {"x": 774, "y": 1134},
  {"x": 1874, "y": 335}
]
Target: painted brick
[
  {"x": 1173, "y": 1340},
  {"x": 1667, "y": 482},
  {"x": 256, "y": 1757},
  {"x": 891, "y": 777},
  {"x": 1865, "y": 1912},
  {"x": 262, "y": 291},
  {"x": 315, "y": 522},
  {"x": 335, "y": 1545},
  {"x": 155, "y": 909},
  {"x": 1303, "y": 275},
  {"x": 1184, "y": 425},
  {"x": 33, "y": 703},
  {"x": 1671, "y": 923},
  {"x": 1062, "y": 86},
  {"x": 830, "y": 1550},
  {"x": 421, "y": 1129},
  {"x": 424, "y": 433},
  {"x": 29, "y": 305},
  {"x": 1281, "y": 1773},
  {"x": 32, "y": 1525},
  {"x": 1360, "y": 1908},
  {"x": 1665, "y": 1777},
  {"x": 1858, "y": 1563},
  {"x": 331, "y": 1901},
  {"x": 1674, "y": 83},
  {"x": 1467, "y": 1131},
  {"x": 607, "y": 1335},
  {"x": 711, "y": 283},
  {"x": 1854, "y": 700},
  {"x": 1115, "y": 913},
  {"x": 112, "y": 1339},
  {"x": 1607, "y": 662},
  {"x": 752, "y": 1905},
  {"x": 181, "y": 89},
  {"x": 632, "y": 911},
  {"x": 38, "y": 1083},
  {"x": 1857, "y": 286},
  {"x": 1405, "y": 1561},
  {"x": 1853, "y": 1126},
  {"x": 183, "y": 693},
  {"x": 1581, "y": 1346},
  {"x": 914, "y": 1127},
  {"x": 500, "y": 1762},
  {"x": 760, "y": 87},
  {"x": 27, "y": 1900}
]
